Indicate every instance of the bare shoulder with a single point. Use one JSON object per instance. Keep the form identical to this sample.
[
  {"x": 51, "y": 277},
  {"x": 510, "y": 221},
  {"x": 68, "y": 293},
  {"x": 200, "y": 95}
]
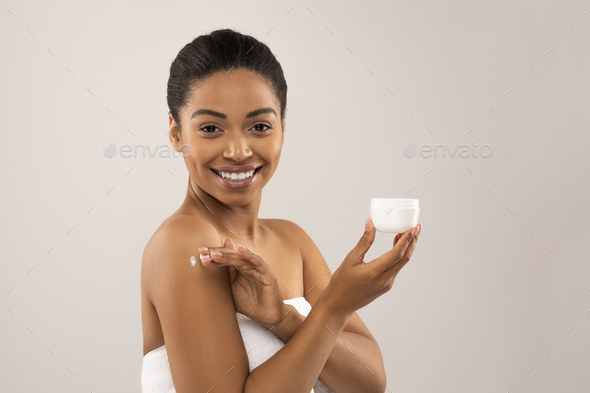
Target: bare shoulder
[
  {"x": 180, "y": 234},
  {"x": 183, "y": 227},
  {"x": 177, "y": 230}
]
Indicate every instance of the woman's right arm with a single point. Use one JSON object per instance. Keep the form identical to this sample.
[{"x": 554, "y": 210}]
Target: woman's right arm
[{"x": 203, "y": 341}]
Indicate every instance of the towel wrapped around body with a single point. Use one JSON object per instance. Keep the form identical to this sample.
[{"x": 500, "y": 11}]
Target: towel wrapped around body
[{"x": 260, "y": 345}]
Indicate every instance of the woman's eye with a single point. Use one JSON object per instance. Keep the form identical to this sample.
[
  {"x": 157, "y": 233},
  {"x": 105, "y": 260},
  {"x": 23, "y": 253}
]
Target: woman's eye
[
  {"x": 206, "y": 127},
  {"x": 263, "y": 125}
]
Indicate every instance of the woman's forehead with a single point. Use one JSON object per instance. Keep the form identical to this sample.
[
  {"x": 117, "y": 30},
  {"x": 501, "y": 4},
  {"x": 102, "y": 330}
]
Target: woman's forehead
[{"x": 235, "y": 96}]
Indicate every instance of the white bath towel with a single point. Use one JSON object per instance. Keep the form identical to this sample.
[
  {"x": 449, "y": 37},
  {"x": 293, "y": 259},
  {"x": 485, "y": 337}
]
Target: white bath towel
[{"x": 260, "y": 345}]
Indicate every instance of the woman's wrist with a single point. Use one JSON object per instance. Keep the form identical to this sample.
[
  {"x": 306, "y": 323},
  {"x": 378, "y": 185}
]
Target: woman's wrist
[
  {"x": 325, "y": 304},
  {"x": 291, "y": 322}
]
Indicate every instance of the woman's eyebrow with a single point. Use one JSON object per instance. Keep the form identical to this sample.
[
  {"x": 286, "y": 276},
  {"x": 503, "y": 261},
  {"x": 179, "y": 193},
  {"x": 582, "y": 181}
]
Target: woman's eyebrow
[{"x": 211, "y": 112}]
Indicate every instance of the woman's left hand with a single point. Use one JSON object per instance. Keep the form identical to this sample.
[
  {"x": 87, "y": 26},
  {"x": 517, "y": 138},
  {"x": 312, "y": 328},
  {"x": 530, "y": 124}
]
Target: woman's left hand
[{"x": 254, "y": 287}]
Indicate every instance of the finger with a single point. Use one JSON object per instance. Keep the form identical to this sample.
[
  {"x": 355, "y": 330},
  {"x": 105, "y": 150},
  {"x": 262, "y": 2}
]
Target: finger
[
  {"x": 399, "y": 235},
  {"x": 392, "y": 256},
  {"x": 254, "y": 259},
  {"x": 404, "y": 241},
  {"x": 208, "y": 250},
  {"x": 357, "y": 254},
  {"x": 230, "y": 258},
  {"x": 243, "y": 260},
  {"x": 229, "y": 243},
  {"x": 393, "y": 270},
  {"x": 206, "y": 260},
  {"x": 417, "y": 236},
  {"x": 205, "y": 254}
]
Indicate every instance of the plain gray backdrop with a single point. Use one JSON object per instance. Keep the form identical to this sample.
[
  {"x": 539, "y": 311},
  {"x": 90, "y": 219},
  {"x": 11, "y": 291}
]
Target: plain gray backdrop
[{"x": 496, "y": 297}]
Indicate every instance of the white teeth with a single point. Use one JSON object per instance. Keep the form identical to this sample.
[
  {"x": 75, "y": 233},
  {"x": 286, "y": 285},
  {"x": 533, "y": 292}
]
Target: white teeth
[{"x": 237, "y": 176}]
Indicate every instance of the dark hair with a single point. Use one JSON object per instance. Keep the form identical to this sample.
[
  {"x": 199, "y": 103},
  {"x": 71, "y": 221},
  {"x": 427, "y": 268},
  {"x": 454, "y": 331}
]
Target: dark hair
[{"x": 217, "y": 52}]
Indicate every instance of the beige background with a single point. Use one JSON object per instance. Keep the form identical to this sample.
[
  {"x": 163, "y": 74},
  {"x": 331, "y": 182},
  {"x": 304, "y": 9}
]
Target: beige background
[{"x": 496, "y": 296}]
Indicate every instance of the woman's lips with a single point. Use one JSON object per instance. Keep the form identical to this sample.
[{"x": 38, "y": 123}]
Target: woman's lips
[{"x": 237, "y": 185}]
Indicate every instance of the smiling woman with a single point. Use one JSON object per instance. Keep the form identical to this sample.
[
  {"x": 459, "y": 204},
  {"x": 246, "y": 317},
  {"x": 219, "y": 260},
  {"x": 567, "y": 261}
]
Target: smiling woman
[
  {"x": 208, "y": 324},
  {"x": 232, "y": 112}
]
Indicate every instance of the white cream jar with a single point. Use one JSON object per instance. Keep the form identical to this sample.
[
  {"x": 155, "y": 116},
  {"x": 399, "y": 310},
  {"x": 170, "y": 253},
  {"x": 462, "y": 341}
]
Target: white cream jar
[{"x": 394, "y": 215}]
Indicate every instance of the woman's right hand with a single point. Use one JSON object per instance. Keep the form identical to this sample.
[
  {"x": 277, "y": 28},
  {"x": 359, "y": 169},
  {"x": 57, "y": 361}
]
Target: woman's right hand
[{"x": 357, "y": 283}]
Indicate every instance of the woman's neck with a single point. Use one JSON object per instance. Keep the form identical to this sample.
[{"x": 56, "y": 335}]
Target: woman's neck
[{"x": 233, "y": 221}]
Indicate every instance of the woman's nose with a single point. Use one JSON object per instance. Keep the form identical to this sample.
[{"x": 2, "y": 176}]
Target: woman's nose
[{"x": 237, "y": 148}]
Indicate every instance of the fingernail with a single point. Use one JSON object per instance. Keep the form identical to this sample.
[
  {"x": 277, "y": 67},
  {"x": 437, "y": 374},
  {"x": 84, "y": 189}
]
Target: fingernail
[
  {"x": 367, "y": 224},
  {"x": 215, "y": 253},
  {"x": 414, "y": 231},
  {"x": 202, "y": 249},
  {"x": 420, "y": 228},
  {"x": 242, "y": 247},
  {"x": 205, "y": 258}
]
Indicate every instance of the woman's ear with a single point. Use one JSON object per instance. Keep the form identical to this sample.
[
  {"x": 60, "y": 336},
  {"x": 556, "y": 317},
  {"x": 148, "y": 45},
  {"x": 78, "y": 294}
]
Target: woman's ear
[{"x": 174, "y": 133}]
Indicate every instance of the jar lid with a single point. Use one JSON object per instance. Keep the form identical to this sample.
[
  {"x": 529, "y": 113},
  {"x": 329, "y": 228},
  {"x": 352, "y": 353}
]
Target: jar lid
[{"x": 394, "y": 202}]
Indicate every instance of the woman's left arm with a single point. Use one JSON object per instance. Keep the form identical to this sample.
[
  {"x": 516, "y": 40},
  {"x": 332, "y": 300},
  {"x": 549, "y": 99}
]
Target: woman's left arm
[{"x": 356, "y": 363}]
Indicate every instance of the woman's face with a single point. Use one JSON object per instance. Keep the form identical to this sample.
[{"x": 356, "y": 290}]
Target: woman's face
[{"x": 232, "y": 119}]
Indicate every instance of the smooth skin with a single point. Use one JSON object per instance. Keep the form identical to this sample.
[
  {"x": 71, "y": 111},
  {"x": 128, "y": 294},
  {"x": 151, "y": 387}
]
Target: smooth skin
[{"x": 192, "y": 309}]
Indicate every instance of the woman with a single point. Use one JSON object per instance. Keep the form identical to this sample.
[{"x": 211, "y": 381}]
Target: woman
[{"x": 227, "y": 321}]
